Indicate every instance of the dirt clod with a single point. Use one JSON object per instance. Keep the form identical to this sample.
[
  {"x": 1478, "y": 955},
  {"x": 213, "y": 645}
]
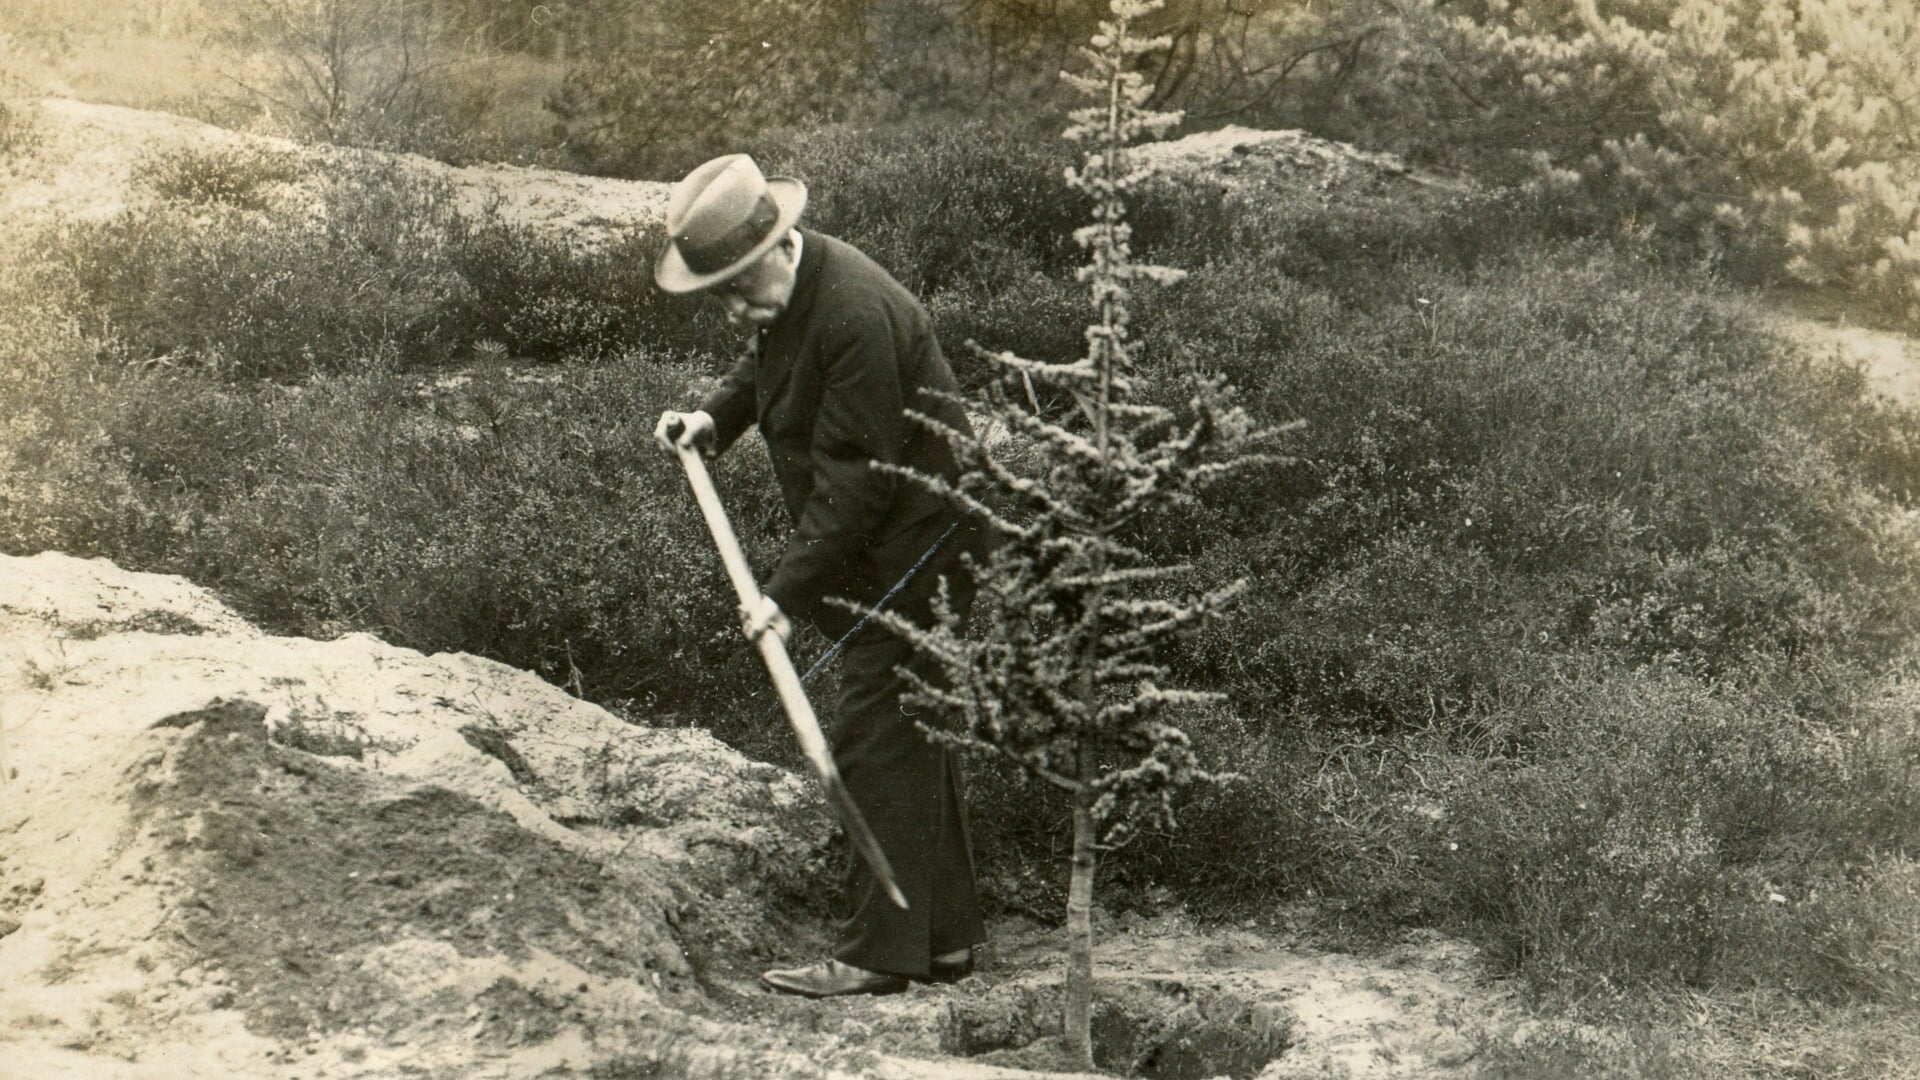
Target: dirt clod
[{"x": 1144, "y": 1028}]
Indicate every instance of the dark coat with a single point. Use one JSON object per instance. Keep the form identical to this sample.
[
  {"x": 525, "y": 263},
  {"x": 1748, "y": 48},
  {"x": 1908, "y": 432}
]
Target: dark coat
[{"x": 829, "y": 384}]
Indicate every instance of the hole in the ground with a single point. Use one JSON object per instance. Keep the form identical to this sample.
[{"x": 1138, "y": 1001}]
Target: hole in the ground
[{"x": 1158, "y": 1030}]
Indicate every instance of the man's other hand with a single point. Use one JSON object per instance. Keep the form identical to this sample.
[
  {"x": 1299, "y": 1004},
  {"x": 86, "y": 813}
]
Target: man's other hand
[
  {"x": 764, "y": 616},
  {"x": 693, "y": 430}
]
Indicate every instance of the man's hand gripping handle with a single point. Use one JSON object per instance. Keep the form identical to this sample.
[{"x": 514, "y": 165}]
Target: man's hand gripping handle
[{"x": 694, "y": 430}]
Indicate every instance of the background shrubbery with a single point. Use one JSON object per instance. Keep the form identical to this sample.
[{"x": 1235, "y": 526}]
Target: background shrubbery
[
  {"x": 1771, "y": 137},
  {"x": 519, "y": 516},
  {"x": 236, "y": 270},
  {"x": 1776, "y": 136}
]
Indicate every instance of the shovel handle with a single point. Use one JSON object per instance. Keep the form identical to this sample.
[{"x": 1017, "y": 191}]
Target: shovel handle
[{"x": 786, "y": 681}]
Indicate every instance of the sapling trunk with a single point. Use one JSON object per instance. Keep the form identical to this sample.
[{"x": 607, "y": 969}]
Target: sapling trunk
[
  {"x": 1077, "y": 1020},
  {"x": 1079, "y": 1006}
]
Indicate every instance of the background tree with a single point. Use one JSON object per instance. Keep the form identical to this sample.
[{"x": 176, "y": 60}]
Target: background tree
[
  {"x": 1773, "y": 137},
  {"x": 519, "y": 26},
  {"x": 1064, "y": 680},
  {"x": 652, "y": 86},
  {"x": 338, "y": 70}
]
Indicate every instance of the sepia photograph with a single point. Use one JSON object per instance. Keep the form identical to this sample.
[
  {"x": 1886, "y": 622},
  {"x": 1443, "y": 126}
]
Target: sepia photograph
[{"x": 960, "y": 539}]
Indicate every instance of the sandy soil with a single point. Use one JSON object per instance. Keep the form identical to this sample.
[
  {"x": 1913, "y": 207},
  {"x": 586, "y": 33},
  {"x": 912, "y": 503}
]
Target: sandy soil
[{"x": 1890, "y": 361}]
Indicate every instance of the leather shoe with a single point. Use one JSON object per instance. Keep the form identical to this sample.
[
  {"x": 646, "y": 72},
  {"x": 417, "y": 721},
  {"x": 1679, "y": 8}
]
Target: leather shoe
[{"x": 831, "y": 978}]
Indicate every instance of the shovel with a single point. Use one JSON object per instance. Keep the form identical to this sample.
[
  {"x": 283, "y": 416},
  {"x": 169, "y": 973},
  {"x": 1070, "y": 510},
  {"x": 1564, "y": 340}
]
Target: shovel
[{"x": 793, "y": 698}]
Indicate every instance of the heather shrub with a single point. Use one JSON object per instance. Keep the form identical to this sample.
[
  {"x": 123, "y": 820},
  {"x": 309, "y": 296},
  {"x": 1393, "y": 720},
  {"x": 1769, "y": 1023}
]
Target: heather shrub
[
  {"x": 1278, "y": 830},
  {"x": 186, "y": 436},
  {"x": 526, "y": 519},
  {"x": 1039, "y": 312},
  {"x": 380, "y": 268},
  {"x": 236, "y": 174},
  {"x": 1483, "y": 453},
  {"x": 1656, "y": 829},
  {"x": 1847, "y": 935},
  {"x": 60, "y": 487},
  {"x": 937, "y": 207},
  {"x": 541, "y": 299},
  {"x": 545, "y": 299},
  {"x": 1596, "y": 825},
  {"x": 531, "y": 521},
  {"x": 365, "y": 279},
  {"x": 1373, "y": 248}
]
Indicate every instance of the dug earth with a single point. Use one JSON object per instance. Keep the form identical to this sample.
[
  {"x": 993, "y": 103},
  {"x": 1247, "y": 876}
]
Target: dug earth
[{"x": 224, "y": 853}]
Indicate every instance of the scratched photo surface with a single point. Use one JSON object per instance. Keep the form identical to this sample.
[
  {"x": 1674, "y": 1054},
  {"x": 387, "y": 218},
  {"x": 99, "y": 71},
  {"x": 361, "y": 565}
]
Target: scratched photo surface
[{"x": 959, "y": 538}]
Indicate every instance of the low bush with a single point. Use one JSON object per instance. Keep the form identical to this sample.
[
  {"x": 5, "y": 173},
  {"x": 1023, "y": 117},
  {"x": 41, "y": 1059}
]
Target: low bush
[
  {"x": 62, "y": 486},
  {"x": 281, "y": 293},
  {"x": 1659, "y": 830},
  {"x": 531, "y": 522},
  {"x": 547, "y": 300},
  {"x": 1601, "y": 827},
  {"x": 19, "y": 134},
  {"x": 418, "y": 513},
  {"x": 379, "y": 270},
  {"x": 1576, "y": 457},
  {"x": 1561, "y": 531},
  {"x": 236, "y": 174}
]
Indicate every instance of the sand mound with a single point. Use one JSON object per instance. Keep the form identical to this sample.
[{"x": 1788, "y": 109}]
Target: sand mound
[
  {"x": 226, "y": 848},
  {"x": 1233, "y": 154},
  {"x": 85, "y": 156}
]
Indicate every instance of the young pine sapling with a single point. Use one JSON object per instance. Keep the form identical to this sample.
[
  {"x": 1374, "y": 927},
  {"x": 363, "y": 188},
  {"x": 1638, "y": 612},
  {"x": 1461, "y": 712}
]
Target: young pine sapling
[{"x": 1062, "y": 674}]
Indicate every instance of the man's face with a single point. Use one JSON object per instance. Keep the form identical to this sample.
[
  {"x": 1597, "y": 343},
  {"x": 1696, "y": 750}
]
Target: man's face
[{"x": 757, "y": 295}]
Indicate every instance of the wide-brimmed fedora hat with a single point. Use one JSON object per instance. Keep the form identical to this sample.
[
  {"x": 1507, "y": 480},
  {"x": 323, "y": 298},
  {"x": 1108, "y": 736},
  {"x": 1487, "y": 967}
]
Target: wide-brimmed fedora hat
[{"x": 721, "y": 218}]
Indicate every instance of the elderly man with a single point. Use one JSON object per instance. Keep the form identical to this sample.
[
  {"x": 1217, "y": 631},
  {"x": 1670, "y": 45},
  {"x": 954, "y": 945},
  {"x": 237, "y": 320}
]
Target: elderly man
[{"x": 839, "y": 352}]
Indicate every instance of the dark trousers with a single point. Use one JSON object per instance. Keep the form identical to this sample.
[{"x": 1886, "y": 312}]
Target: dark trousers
[{"x": 910, "y": 790}]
